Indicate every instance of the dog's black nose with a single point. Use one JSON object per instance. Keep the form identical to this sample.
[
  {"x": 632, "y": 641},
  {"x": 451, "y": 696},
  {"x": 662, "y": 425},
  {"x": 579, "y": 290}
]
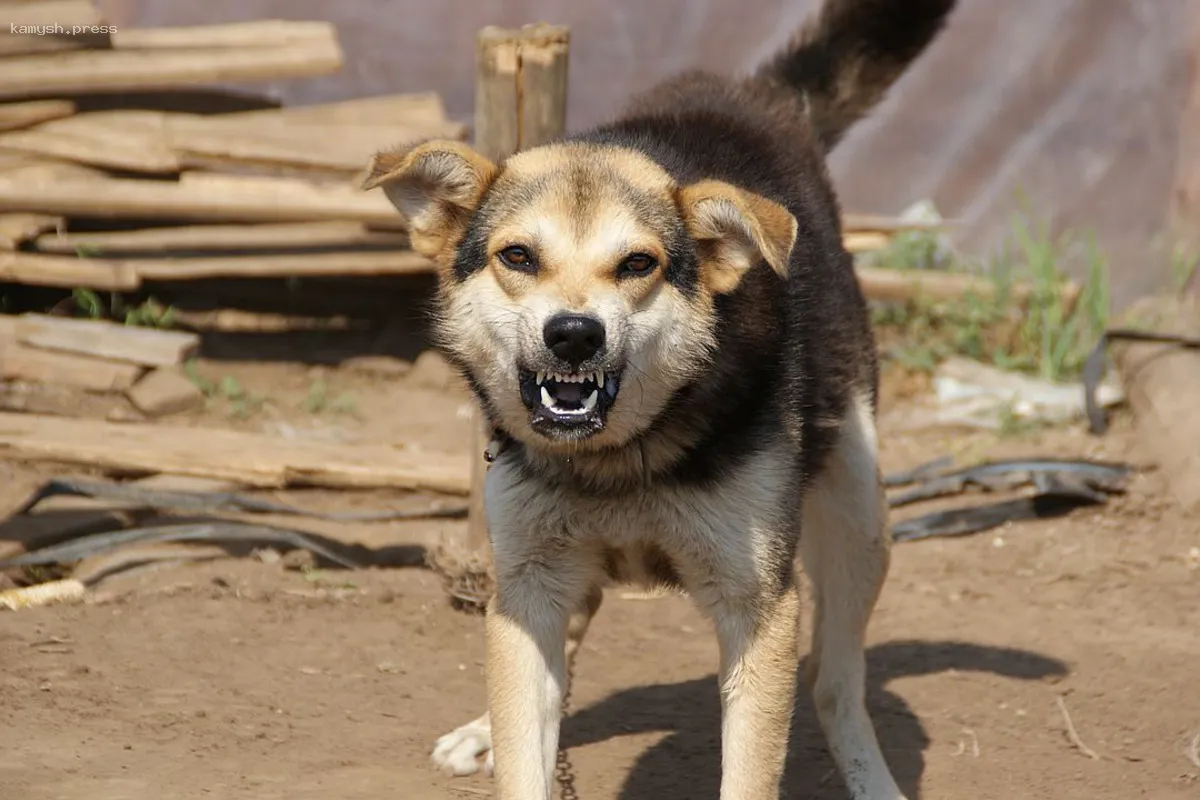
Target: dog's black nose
[{"x": 574, "y": 337}]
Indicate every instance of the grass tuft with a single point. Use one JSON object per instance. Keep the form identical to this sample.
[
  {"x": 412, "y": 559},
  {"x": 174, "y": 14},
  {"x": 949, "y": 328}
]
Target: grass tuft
[{"x": 1049, "y": 337}]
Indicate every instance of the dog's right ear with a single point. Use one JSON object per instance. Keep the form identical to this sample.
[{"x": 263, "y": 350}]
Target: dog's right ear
[{"x": 436, "y": 186}]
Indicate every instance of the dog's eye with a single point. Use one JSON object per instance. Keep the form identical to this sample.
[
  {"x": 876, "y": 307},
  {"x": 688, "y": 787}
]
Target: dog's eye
[
  {"x": 517, "y": 258},
  {"x": 637, "y": 264}
]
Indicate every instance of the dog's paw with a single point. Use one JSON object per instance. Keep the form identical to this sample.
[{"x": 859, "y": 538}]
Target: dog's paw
[{"x": 457, "y": 752}]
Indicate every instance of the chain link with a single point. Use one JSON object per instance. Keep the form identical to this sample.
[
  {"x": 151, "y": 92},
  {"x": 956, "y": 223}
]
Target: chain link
[{"x": 562, "y": 766}]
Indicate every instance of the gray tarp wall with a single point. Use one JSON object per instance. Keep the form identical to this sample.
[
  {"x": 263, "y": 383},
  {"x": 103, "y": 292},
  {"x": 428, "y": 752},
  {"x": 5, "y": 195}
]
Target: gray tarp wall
[{"x": 1079, "y": 105}]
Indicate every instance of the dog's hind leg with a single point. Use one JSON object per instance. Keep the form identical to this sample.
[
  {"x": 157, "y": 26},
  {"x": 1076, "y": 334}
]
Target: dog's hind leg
[
  {"x": 458, "y": 751},
  {"x": 845, "y": 549}
]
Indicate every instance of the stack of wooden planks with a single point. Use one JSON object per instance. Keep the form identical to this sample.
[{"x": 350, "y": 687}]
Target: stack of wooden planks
[
  {"x": 109, "y": 195},
  {"x": 105, "y": 182},
  {"x": 102, "y": 357}
]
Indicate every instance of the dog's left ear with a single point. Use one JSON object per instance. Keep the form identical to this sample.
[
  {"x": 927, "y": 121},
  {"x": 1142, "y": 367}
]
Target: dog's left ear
[
  {"x": 437, "y": 186},
  {"x": 735, "y": 230}
]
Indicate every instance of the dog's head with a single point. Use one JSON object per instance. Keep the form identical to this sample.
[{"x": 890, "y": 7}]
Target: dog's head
[{"x": 578, "y": 281}]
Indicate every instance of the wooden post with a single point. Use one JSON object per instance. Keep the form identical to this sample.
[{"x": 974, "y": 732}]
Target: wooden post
[{"x": 520, "y": 102}]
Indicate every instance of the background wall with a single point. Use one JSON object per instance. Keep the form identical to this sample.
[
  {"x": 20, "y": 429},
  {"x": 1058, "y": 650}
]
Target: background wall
[{"x": 1082, "y": 106}]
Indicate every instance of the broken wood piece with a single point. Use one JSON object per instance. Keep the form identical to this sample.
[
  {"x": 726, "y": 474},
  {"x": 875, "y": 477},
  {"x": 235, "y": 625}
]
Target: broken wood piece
[
  {"x": 249, "y": 459},
  {"x": 22, "y": 363},
  {"x": 275, "y": 140},
  {"x": 144, "y": 346},
  {"x": 16, "y": 229},
  {"x": 897, "y": 286},
  {"x": 43, "y": 594},
  {"x": 165, "y": 391},
  {"x": 67, "y": 272},
  {"x": 259, "y": 200},
  {"x": 85, "y": 71},
  {"x": 203, "y": 238},
  {"x": 23, "y": 115}
]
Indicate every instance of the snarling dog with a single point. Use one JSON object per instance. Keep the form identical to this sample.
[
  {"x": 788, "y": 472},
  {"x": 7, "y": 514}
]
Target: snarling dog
[{"x": 666, "y": 335}]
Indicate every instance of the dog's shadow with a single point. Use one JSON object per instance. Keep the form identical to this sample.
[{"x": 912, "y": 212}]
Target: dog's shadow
[{"x": 686, "y": 764}]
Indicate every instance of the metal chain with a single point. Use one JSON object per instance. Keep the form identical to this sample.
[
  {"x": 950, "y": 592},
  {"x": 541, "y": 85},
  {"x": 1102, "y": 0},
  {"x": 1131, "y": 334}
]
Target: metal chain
[{"x": 562, "y": 766}]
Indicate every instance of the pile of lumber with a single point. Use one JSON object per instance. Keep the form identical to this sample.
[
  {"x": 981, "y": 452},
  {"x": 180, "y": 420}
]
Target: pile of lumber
[
  {"x": 110, "y": 177},
  {"x": 102, "y": 357}
]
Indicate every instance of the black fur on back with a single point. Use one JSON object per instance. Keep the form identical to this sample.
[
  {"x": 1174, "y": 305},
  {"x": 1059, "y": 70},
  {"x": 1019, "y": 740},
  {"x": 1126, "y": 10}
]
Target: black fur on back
[{"x": 790, "y": 356}]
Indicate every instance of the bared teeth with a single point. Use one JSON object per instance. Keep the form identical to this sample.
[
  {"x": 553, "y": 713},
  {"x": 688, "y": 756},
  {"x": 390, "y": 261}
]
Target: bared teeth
[
  {"x": 547, "y": 400},
  {"x": 590, "y": 401},
  {"x": 541, "y": 377},
  {"x": 600, "y": 378}
]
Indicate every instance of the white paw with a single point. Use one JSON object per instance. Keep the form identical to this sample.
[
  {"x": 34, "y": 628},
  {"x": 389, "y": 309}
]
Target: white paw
[{"x": 458, "y": 751}]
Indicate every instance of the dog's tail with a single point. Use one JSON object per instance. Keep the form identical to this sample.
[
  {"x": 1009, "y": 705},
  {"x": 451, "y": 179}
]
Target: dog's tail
[{"x": 846, "y": 58}]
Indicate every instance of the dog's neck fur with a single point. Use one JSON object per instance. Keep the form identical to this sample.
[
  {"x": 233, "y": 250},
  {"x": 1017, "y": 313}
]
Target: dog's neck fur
[{"x": 643, "y": 461}]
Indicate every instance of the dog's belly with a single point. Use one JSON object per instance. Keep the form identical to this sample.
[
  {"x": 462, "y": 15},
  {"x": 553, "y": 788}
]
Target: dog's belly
[{"x": 645, "y": 565}]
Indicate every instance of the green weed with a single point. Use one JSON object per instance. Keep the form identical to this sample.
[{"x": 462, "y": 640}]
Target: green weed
[{"x": 1049, "y": 335}]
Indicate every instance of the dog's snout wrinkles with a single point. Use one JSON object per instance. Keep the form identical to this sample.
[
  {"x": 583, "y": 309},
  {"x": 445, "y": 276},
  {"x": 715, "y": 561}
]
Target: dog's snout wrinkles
[{"x": 574, "y": 337}]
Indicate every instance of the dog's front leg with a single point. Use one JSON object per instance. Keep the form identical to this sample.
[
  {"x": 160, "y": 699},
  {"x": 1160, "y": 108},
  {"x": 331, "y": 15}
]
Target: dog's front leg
[
  {"x": 526, "y": 672},
  {"x": 758, "y": 642},
  {"x": 526, "y": 678}
]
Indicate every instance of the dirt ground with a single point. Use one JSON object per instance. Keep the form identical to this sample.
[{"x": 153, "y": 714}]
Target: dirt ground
[{"x": 240, "y": 678}]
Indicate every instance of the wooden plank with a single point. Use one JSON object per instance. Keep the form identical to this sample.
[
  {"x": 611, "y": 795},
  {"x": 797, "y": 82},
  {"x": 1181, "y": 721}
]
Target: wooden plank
[
  {"x": 16, "y": 229},
  {"x": 263, "y": 33},
  {"x": 883, "y": 224},
  {"x": 520, "y": 102},
  {"x": 135, "y": 141},
  {"x": 387, "y": 109},
  {"x": 336, "y": 263},
  {"x": 20, "y": 362},
  {"x": 894, "y": 285},
  {"x": 204, "y": 238},
  {"x": 85, "y": 71},
  {"x": 39, "y": 170},
  {"x": 67, "y": 272},
  {"x": 125, "y": 343},
  {"x": 249, "y": 459},
  {"x": 23, "y": 115},
  {"x": 52, "y": 14},
  {"x": 264, "y": 200},
  {"x": 17, "y": 45},
  {"x": 9, "y": 160},
  {"x": 280, "y": 141},
  {"x": 127, "y": 274},
  {"x": 51, "y": 26},
  {"x": 864, "y": 241}
]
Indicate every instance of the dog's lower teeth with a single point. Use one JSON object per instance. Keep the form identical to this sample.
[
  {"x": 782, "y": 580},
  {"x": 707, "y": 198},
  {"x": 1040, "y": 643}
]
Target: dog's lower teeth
[
  {"x": 589, "y": 402},
  {"x": 547, "y": 400}
]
